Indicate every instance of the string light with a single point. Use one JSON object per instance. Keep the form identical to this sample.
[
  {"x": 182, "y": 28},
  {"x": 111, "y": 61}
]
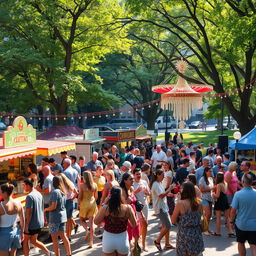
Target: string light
[{"x": 134, "y": 108}]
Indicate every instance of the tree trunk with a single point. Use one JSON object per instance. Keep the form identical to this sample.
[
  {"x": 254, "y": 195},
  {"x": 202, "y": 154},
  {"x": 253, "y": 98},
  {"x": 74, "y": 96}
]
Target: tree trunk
[
  {"x": 61, "y": 111},
  {"x": 150, "y": 115},
  {"x": 244, "y": 123},
  {"x": 40, "y": 121}
]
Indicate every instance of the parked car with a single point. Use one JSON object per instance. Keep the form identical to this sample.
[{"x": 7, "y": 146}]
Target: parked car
[
  {"x": 195, "y": 125},
  {"x": 160, "y": 122},
  {"x": 2, "y": 126},
  {"x": 123, "y": 124},
  {"x": 227, "y": 125}
]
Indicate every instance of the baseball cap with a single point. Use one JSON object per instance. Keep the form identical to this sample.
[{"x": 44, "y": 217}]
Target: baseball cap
[{"x": 127, "y": 164}]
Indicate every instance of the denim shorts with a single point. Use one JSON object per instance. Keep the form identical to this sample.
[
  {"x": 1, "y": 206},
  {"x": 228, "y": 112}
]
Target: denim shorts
[
  {"x": 69, "y": 208},
  {"x": 54, "y": 228},
  {"x": 10, "y": 238},
  {"x": 206, "y": 202}
]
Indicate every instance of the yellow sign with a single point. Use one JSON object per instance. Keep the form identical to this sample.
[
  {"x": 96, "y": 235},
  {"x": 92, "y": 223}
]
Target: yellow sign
[{"x": 126, "y": 135}]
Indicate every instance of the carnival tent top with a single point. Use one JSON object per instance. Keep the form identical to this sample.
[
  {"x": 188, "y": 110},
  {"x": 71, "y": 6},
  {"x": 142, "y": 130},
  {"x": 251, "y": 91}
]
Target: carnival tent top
[
  {"x": 248, "y": 141},
  {"x": 60, "y": 131}
]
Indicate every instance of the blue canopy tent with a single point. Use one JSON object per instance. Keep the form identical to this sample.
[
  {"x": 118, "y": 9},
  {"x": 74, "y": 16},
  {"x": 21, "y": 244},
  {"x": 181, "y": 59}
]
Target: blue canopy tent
[{"x": 248, "y": 141}]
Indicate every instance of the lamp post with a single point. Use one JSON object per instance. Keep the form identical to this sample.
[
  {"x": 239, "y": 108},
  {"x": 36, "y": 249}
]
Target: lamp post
[
  {"x": 167, "y": 134},
  {"x": 237, "y": 136}
]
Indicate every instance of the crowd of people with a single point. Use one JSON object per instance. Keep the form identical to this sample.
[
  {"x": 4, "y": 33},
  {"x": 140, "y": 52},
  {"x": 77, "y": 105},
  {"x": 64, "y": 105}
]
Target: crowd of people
[{"x": 114, "y": 190}]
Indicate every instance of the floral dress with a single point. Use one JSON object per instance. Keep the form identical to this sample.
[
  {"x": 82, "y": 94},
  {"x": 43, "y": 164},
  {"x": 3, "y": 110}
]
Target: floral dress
[{"x": 189, "y": 236}]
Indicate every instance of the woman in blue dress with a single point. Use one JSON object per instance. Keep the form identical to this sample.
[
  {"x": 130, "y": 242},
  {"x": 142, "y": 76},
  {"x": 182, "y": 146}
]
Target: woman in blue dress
[{"x": 187, "y": 214}]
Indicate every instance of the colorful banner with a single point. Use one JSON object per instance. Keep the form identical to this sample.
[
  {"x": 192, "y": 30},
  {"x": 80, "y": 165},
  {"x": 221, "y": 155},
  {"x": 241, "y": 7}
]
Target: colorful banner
[{"x": 141, "y": 131}]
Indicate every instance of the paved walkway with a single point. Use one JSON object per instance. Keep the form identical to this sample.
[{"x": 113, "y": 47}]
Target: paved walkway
[{"x": 214, "y": 246}]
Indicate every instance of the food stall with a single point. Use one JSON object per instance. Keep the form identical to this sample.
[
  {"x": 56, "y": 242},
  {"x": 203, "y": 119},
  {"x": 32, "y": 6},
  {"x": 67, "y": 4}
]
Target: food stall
[
  {"x": 86, "y": 143},
  {"x": 246, "y": 148},
  {"x": 119, "y": 138},
  {"x": 141, "y": 134},
  {"x": 18, "y": 148}
]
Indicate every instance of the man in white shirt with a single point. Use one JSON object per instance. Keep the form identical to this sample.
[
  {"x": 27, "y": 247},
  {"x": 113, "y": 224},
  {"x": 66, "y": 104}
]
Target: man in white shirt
[
  {"x": 158, "y": 156},
  {"x": 161, "y": 209}
]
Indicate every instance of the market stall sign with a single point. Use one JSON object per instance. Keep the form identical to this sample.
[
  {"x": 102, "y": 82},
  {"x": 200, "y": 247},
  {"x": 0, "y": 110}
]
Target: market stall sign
[
  {"x": 126, "y": 135},
  {"x": 19, "y": 134},
  {"x": 91, "y": 134},
  {"x": 141, "y": 131}
]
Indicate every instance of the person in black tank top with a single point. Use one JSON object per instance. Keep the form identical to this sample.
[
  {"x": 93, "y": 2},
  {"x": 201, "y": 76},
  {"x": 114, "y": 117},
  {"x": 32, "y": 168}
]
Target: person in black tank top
[{"x": 221, "y": 204}]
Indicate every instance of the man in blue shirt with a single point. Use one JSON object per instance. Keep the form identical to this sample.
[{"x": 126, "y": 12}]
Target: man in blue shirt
[
  {"x": 243, "y": 211},
  {"x": 34, "y": 218},
  {"x": 92, "y": 164},
  {"x": 54, "y": 166},
  {"x": 200, "y": 170}
]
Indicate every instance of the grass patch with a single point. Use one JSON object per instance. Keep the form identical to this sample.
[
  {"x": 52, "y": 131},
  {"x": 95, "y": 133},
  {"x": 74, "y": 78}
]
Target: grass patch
[{"x": 202, "y": 137}]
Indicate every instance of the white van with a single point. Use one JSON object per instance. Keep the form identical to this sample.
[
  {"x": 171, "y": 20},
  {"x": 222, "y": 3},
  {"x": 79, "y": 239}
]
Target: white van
[{"x": 160, "y": 122}]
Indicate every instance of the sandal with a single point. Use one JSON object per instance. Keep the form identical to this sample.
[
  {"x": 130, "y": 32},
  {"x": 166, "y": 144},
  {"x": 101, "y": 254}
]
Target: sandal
[
  {"x": 169, "y": 246},
  {"x": 158, "y": 245},
  {"x": 216, "y": 234},
  {"x": 231, "y": 235},
  {"x": 76, "y": 228}
]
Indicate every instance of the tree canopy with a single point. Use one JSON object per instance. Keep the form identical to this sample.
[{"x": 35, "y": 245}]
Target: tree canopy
[
  {"x": 217, "y": 38},
  {"x": 46, "y": 44}
]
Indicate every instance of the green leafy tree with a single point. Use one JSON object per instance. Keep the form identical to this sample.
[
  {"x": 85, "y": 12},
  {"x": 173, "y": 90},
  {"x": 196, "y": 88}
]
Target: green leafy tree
[
  {"x": 131, "y": 77},
  {"x": 217, "y": 38},
  {"x": 46, "y": 44}
]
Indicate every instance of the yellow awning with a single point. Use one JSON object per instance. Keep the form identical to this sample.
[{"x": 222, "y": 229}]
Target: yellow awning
[{"x": 49, "y": 147}]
